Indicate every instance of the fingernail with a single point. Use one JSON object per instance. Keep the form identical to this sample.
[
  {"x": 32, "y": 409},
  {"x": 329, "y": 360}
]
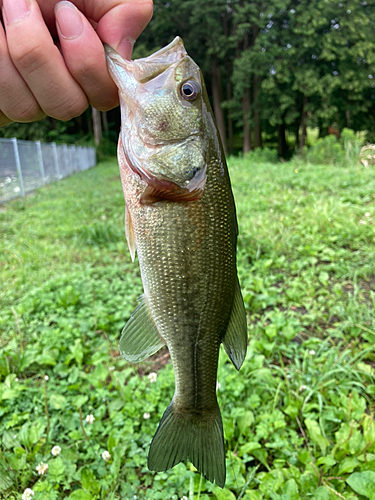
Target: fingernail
[
  {"x": 68, "y": 20},
  {"x": 15, "y": 10},
  {"x": 125, "y": 48}
]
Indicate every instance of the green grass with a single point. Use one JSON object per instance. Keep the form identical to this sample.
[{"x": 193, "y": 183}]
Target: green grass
[{"x": 298, "y": 417}]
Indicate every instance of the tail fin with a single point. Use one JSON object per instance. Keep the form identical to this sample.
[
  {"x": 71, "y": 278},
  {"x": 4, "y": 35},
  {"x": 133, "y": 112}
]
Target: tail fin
[{"x": 181, "y": 436}]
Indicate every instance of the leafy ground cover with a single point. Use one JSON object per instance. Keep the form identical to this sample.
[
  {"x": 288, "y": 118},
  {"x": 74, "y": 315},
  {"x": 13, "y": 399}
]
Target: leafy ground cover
[{"x": 298, "y": 417}]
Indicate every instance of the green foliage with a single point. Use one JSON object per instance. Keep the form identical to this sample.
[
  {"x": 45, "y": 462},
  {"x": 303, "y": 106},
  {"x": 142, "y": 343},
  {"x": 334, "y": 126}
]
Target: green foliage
[
  {"x": 332, "y": 151},
  {"x": 363, "y": 483},
  {"x": 298, "y": 417},
  {"x": 326, "y": 151},
  {"x": 265, "y": 155},
  {"x": 352, "y": 144},
  {"x": 107, "y": 147},
  {"x": 50, "y": 130},
  {"x": 294, "y": 62}
]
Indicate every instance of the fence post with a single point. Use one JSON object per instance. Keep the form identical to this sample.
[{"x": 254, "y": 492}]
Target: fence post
[
  {"x": 18, "y": 164},
  {"x": 66, "y": 160},
  {"x": 77, "y": 158},
  {"x": 56, "y": 160},
  {"x": 41, "y": 164}
]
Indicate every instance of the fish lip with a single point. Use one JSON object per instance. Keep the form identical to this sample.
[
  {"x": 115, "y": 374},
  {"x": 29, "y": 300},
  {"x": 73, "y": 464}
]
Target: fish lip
[
  {"x": 147, "y": 68},
  {"x": 176, "y": 47}
]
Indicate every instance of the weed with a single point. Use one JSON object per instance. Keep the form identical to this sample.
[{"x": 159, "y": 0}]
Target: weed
[
  {"x": 329, "y": 150},
  {"x": 298, "y": 417}
]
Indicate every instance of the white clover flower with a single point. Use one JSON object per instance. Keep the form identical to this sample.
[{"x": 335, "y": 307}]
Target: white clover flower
[
  {"x": 42, "y": 468},
  {"x": 28, "y": 494},
  {"x": 312, "y": 352},
  {"x": 146, "y": 416},
  {"x": 362, "y": 222},
  {"x": 152, "y": 377},
  {"x": 184, "y": 498},
  {"x": 90, "y": 419},
  {"x": 218, "y": 385},
  {"x": 106, "y": 456},
  {"x": 56, "y": 450},
  {"x": 46, "y": 377},
  {"x": 302, "y": 388},
  {"x": 17, "y": 380},
  {"x": 112, "y": 368},
  {"x": 367, "y": 214}
]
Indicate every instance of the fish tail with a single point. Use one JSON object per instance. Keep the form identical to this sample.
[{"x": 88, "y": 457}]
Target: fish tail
[{"x": 182, "y": 436}]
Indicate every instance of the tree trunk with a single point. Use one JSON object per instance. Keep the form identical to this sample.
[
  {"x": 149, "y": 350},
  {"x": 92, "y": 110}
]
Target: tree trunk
[
  {"x": 216, "y": 101},
  {"x": 323, "y": 131},
  {"x": 246, "y": 102},
  {"x": 257, "y": 127},
  {"x": 97, "y": 126},
  {"x": 246, "y": 144},
  {"x": 105, "y": 121},
  {"x": 256, "y": 84},
  {"x": 282, "y": 148},
  {"x": 88, "y": 122},
  {"x": 230, "y": 120},
  {"x": 303, "y": 137},
  {"x": 347, "y": 114},
  {"x": 296, "y": 133},
  {"x": 228, "y": 70}
]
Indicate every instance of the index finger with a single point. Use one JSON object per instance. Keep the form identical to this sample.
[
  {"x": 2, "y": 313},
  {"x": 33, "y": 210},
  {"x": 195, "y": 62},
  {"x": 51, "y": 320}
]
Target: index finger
[
  {"x": 119, "y": 22},
  {"x": 121, "y": 26}
]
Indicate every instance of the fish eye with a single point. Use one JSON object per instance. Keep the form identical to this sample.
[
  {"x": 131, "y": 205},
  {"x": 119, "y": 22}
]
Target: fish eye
[{"x": 190, "y": 90}]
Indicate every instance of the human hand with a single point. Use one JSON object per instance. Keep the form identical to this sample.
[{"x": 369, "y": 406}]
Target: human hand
[{"x": 39, "y": 78}]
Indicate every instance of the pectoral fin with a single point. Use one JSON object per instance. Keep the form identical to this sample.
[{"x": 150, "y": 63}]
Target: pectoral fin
[
  {"x": 129, "y": 233},
  {"x": 235, "y": 339},
  {"x": 140, "y": 337}
]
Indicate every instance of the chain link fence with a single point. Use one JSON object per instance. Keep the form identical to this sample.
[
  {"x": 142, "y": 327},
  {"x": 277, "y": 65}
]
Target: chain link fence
[{"x": 28, "y": 165}]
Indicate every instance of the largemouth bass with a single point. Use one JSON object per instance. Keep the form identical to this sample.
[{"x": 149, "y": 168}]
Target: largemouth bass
[{"x": 180, "y": 218}]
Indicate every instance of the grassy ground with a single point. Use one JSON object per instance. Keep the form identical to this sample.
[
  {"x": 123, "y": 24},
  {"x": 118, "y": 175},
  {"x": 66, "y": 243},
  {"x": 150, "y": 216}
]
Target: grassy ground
[{"x": 298, "y": 418}]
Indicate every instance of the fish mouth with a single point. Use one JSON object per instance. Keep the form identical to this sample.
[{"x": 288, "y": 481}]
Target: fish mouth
[{"x": 145, "y": 69}]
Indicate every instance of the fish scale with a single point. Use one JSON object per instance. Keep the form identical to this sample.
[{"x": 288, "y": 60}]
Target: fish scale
[{"x": 181, "y": 221}]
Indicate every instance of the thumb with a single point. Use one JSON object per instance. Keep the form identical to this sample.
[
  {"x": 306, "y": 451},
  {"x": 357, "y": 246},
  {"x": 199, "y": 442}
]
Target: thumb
[{"x": 121, "y": 25}]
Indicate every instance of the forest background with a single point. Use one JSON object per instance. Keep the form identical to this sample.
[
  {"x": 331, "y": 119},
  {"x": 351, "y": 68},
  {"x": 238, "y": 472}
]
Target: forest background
[{"x": 272, "y": 70}]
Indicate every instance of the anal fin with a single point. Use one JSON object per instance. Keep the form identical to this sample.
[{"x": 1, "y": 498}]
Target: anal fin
[
  {"x": 235, "y": 339},
  {"x": 140, "y": 337}
]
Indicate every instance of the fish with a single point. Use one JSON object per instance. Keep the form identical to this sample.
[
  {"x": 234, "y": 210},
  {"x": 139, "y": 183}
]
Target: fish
[{"x": 180, "y": 219}]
